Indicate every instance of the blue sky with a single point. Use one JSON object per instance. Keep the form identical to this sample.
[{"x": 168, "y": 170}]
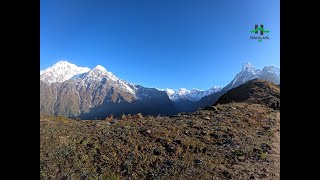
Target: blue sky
[{"x": 160, "y": 43}]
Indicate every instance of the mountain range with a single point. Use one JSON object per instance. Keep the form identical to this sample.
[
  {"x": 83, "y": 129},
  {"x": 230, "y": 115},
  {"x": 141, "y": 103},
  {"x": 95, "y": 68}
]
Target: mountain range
[
  {"x": 237, "y": 138},
  {"x": 81, "y": 92},
  {"x": 192, "y": 95}
]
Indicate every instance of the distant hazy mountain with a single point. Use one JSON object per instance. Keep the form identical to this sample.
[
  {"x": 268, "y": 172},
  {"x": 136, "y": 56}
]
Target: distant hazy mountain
[
  {"x": 185, "y": 100},
  {"x": 72, "y": 91},
  {"x": 192, "y": 95}
]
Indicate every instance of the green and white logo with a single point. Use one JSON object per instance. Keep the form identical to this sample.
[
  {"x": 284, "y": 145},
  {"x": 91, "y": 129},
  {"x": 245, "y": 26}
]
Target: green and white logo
[{"x": 262, "y": 31}]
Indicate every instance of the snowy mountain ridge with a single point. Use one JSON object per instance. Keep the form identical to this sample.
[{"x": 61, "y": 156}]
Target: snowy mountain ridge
[
  {"x": 61, "y": 71},
  {"x": 249, "y": 72},
  {"x": 193, "y": 94}
]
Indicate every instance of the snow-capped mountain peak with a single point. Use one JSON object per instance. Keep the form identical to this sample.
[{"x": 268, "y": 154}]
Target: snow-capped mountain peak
[
  {"x": 249, "y": 72},
  {"x": 272, "y": 69},
  {"x": 61, "y": 71},
  {"x": 247, "y": 65},
  {"x": 194, "y": 90},
  {"x": 270, "y": 73},
  {"x": 100, "y": 68},
  {"x": 170, "y": 92},
  {"x": 183, "y": 91},
  {"x": 98, "y": 71},
  {"x": 63, "y": 64}
]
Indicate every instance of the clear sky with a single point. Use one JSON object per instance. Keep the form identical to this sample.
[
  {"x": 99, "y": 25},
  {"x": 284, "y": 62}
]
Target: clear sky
[{"x": 160, "y": 43}]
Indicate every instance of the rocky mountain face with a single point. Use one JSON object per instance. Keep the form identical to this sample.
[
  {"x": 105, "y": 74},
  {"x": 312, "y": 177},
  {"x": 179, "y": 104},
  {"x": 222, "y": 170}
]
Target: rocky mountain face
[
  {"x": 96, "y": 93},
  {"x": 248, "y": 72}
]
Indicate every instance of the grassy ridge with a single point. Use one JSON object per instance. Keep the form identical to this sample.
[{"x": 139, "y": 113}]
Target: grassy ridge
[{"x": 235, "y": 140}]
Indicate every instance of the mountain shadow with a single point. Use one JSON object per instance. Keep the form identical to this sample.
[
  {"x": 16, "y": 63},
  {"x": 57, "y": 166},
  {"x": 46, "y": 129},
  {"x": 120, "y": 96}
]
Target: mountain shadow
[{"x": 157, "y": 103}]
